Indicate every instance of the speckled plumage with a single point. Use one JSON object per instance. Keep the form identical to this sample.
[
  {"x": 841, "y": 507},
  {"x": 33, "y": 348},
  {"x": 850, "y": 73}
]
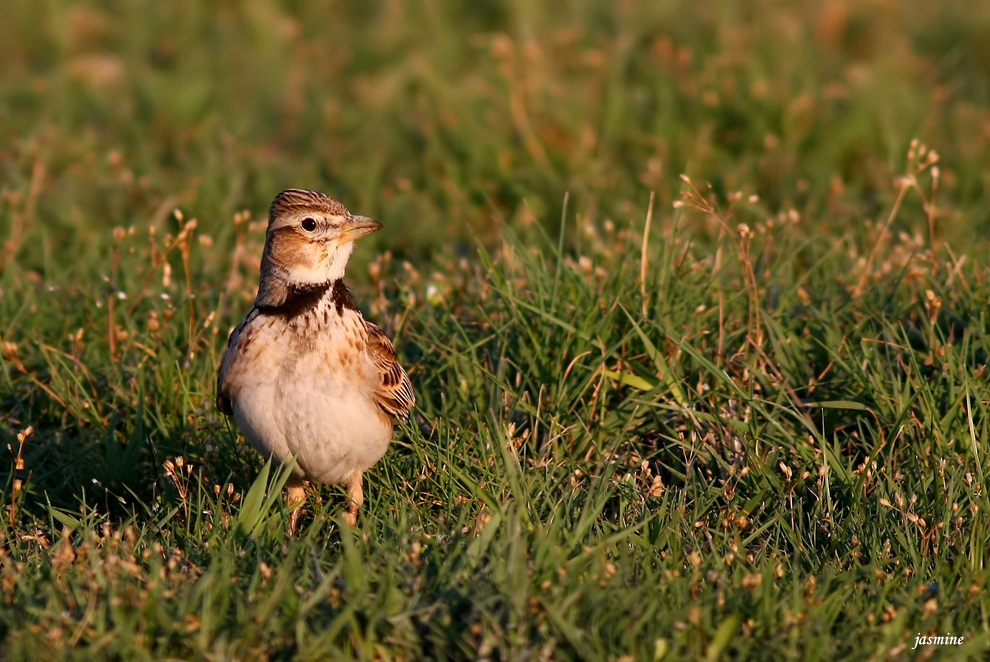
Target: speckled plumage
[{"x": 305, "y": 376}]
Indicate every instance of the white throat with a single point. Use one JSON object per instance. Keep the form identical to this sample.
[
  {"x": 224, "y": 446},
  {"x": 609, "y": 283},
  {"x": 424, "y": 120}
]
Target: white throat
[{"x": 327, "y": 270}]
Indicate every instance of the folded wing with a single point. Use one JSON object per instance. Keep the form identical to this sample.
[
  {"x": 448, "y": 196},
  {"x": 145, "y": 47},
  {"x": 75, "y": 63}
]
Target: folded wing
[{"x": 395, "y": 393}]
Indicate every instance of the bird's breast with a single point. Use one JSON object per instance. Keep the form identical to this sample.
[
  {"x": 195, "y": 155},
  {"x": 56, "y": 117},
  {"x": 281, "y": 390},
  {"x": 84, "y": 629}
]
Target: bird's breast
[{"x": 309, "y": 394}]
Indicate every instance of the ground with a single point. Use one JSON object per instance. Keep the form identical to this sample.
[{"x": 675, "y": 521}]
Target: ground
[{"x": 693, "y": 296}]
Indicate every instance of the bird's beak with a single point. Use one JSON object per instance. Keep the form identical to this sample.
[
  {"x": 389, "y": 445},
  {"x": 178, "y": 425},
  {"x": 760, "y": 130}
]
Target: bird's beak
[{"x": 359, "y": 226}]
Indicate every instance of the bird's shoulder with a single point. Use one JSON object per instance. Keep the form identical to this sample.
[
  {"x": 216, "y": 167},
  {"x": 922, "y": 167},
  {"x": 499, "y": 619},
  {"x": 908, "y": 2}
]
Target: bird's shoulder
[{"x": 237, "y": 343}]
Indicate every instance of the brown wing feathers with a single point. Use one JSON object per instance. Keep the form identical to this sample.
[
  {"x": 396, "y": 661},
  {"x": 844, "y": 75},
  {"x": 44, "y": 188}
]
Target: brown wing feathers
[
  {"x": 395, "y": 395},
  {"x": 224, "y": 403}
]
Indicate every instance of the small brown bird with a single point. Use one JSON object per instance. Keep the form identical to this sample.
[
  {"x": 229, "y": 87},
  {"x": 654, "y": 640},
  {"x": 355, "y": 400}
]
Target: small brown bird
[{"x": 305, "y": 376}]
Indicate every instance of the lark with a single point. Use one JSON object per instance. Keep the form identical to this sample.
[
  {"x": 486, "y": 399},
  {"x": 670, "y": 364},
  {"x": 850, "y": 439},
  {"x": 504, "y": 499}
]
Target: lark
[{"x": 308, "y": 381}]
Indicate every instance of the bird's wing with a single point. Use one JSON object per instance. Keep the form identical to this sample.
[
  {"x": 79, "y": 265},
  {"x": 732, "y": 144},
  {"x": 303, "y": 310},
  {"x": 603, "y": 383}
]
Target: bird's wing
[
  {"x": 395, "y": 393},
  {"x": 224, "y": 396}
]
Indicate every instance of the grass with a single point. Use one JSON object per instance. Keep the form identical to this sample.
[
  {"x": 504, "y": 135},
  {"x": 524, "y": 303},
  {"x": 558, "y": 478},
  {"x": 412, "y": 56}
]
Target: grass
[{"x": 741, "y": 413}]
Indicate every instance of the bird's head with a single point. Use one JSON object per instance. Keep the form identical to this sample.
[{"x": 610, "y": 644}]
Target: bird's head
[{"x": 310, "y": 238}]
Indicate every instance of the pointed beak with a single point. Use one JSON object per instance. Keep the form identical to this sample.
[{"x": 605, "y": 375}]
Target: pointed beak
[{"x": 359, "y": 226}]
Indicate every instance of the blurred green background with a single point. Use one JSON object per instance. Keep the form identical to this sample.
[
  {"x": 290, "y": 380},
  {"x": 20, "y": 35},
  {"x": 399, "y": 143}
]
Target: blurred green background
[{"x": 446, "y": 119}]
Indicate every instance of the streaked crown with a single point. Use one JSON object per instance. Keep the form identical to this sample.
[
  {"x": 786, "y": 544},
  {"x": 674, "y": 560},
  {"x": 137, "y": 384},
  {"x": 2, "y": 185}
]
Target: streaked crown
[{"x": 296, "y": 200}]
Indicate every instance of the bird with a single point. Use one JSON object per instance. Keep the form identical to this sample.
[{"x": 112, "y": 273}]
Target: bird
[{"x": 306, "y": 378}]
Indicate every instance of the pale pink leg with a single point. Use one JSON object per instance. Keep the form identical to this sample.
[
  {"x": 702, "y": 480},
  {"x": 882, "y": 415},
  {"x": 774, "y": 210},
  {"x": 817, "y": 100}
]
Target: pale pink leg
[
  {"x": 355, "y": 497},
  {"x": 295, "y": 496}
]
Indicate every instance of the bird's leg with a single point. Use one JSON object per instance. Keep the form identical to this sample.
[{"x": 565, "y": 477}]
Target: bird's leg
[
  {"x": 355, "y": 497},
  {"x": 295, "y": 496}
]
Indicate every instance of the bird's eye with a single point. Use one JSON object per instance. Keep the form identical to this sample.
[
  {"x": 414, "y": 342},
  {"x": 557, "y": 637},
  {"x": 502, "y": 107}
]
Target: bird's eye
[{"x": 308, "y": 224}]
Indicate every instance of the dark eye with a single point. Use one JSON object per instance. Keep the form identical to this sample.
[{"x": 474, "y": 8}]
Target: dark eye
[{"x": 308, "y": 224}]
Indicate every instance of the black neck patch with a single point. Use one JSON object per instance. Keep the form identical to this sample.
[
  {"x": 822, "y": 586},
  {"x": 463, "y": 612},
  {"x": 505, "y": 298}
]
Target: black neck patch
[
  {"x": 303, "y": 298},
  {"x": 341, "y": 297}
]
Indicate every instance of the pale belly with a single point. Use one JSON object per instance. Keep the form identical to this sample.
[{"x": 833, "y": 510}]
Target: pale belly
[{"x": 321, "y": 415}]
